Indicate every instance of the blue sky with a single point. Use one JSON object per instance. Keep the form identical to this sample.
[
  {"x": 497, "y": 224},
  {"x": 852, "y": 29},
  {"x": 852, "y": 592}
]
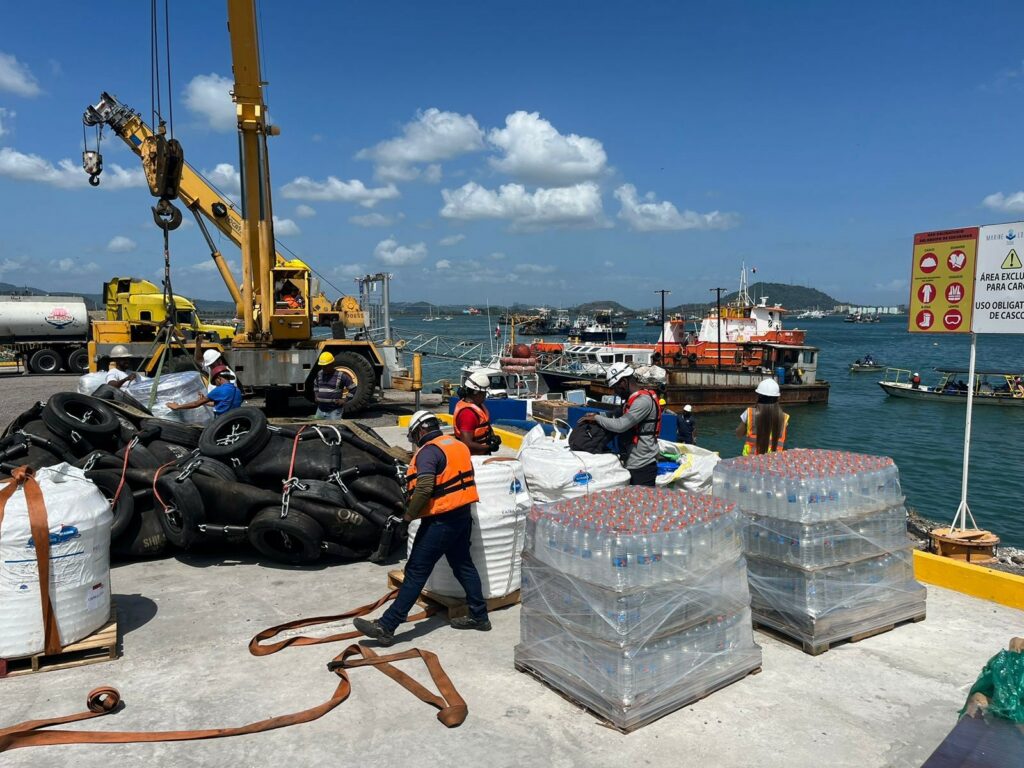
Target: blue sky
[{"x": 540, "y": 152}]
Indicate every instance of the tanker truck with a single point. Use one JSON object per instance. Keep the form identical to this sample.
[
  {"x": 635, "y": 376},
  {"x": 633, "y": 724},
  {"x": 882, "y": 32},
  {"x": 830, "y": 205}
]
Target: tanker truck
[{"x": 46, "y": 333}]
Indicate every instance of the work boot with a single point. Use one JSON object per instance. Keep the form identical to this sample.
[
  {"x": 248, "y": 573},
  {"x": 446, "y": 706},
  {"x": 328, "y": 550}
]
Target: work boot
[
  {"x": 468, "y": 622},
  {"x": 376, "y": 631}
]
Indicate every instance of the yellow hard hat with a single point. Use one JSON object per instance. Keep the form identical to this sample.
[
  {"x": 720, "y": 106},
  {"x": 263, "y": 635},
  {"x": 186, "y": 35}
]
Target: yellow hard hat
[{"x": 326, "y": 358}]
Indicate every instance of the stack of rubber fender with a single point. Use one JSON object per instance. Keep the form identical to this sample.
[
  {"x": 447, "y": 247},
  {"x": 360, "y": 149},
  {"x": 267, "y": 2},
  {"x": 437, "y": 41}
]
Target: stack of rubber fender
[{"x": 296, "y": 494}]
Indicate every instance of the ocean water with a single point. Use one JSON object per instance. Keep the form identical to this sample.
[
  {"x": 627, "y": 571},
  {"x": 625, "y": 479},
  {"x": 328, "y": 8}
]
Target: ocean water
[{"x": 925, "y": 439}]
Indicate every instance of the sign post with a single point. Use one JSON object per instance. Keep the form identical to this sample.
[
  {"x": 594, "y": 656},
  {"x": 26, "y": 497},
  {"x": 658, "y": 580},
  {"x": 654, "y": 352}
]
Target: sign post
[{"x": 942, "y": 291}]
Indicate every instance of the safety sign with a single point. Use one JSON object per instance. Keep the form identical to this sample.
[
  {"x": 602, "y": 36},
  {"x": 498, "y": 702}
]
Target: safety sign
[
  {"x": 942, "y": 281},
  {"x": 999, "y": 289}
]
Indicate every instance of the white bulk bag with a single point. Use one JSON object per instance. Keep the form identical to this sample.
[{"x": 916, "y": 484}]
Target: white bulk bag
[
  {"x": 184, "y": 387},
  {"x": 499, "y": 527},
  {"x": 696, "y": 465},
  {"x": 79, "y": 522},
  {"x": 553, "y": 472},
  {"x": 90, "y": 382}
]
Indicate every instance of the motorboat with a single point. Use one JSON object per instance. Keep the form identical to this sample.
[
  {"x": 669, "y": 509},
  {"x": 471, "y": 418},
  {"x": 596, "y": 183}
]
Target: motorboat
[
  {"x": 602, "y": 326},
  {"x": 990, "y": 387}
]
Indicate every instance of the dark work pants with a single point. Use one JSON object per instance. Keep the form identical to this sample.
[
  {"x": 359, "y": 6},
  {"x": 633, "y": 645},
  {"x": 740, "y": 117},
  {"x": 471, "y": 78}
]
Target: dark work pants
[
  {"x": 447, "y": 535},
  {"x": 644, "y": 475}
]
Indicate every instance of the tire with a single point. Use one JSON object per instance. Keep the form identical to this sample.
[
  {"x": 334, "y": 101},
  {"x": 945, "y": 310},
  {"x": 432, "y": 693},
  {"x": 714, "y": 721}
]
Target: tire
[
  {"x": 140, "y": 458},
  {"x": 103, "y": 460},
  {"x": 167, "y": 453},
  {"x": 321, "y": 492},
  {"x": 359, "y": 368},
  {"x": 107, "y": 481},
  {"x": 123, "y": 397},
  {"x": 78, "y": 361},
  {"x": 45, "y": 361},
  {"x": 238, "y": 434},
  {"x": 215, "y": 469},
  {"x": 184, "y": 511},
  {"x": 104, "y": 392},
  {"x": 68, "y": 412},
  {"x": 296, "y": 539},
  {"x": 345, "y": 526},
  {"x": 173, "y": 432},
  {"x": 143, "y": 538},
  {"x": 38, "y": 428}
]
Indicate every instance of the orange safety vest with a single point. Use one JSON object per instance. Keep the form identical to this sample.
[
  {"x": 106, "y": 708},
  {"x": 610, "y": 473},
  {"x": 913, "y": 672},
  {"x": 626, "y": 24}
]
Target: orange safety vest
[
  {"x": 456, "y": 486},
  {"x": 750, "y": 446},
  {"x": 483, "y": 428},
  {"x": 650, "y": 426}
]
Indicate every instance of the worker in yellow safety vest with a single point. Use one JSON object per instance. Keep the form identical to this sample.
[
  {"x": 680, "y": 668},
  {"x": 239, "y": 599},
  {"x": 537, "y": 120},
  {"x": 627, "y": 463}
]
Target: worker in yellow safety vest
[
  {"x": 441, "y": 491},
  {"x": 765, "y": 425}
]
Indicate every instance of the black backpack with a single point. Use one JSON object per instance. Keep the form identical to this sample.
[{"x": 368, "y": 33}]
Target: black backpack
[{"x": 589, "y": 437}]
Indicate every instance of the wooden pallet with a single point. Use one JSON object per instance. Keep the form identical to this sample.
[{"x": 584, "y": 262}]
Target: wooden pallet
[
  {"x": 101, "y": 645},
  {"x": 455, "y": 606},
  {"x": 788, "y": 634},
  {"x": 603, "y": 719}
]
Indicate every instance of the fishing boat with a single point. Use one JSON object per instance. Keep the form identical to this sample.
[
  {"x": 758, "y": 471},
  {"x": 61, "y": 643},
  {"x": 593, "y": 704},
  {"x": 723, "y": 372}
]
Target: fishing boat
[
  {"x": 990, "y": 387},
  {"x": 561, "y": 324},
  {"x": 652, "y": 318},
  {"x": 603, "y": 326},
  {"x": 866, "y": 367}
]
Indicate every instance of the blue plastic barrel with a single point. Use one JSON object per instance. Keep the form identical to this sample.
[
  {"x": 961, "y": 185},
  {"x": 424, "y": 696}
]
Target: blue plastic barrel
[{"x": 780, "y": 374}]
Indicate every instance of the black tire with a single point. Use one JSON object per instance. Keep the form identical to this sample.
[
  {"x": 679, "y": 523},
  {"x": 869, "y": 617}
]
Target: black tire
[
  {"x": 321, "y": 492},
  {"x": 296, "y": 539},
  {"x": 107, "y": 481},
  {"x": 180, "y": 508},
  {"x": 68, "y": 414},
  {"x": 215, "y": 469},
  {"x": 45, "y": 361},
  {"x": 343, "y": 525},
  {"x": 167, "y": 453},
  {"x": 140, "y": 458},
  {"x": 104, "y": 392},
  {"x": 123, "y": 397},
  {"x": 78, "y": 361},
  {"x": 39, "y": 429},
  {"x": 143, "y": 538},
  {"x": 173, "y": 432},
  {"x": 359, "y": 368},
  {"x": 103, "y": 460},
  {"x": 238, "y": 434}
]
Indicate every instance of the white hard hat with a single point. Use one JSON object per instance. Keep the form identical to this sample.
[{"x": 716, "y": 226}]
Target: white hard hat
[
  {"x": 617, "y": 372},
  {"x": 916, "y": 373},
  {"x": 769, "y": 388},
  {"x": 688, "y": 408},
  {"x": 478, "y": 382},
  {"x": 210, "y": 356},
  {"x": 119, "y": 352},
  {"x": 419, "y": 419}
]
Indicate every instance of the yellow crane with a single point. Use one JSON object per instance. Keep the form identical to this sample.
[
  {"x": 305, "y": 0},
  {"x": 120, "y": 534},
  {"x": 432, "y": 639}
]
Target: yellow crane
[{"x": 275, "y": 350}]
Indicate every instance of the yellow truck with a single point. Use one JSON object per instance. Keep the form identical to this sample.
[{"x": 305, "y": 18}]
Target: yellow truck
[{"x": 141, "y": 303}]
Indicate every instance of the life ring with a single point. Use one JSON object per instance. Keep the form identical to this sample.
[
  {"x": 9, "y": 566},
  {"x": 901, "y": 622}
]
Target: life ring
[{"x": 692, "y": 358}]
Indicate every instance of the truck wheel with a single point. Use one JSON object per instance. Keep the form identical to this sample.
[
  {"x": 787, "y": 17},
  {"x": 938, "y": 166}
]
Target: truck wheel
[
  {"x": 78, "y": 361},
  {"x": 45, "y": 361},
  {"x": 359, "y": 368}
]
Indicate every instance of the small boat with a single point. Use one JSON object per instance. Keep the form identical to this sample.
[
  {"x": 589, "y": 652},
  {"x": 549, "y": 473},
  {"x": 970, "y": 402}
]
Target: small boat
[
  {"x": 602, "y": 327},
  {"x": 990, "y": 387},
  {"x": 866, "y": 367}
]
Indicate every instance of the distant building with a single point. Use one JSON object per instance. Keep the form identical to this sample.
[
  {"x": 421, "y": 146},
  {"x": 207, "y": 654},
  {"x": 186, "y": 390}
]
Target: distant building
[{"x": 853, "y": 309}]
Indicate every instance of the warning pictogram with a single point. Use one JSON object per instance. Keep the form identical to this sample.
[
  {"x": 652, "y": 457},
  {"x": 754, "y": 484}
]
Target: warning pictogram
[
  {"x": 957, "y": 260},
  {"x": 954, "y": 292},
  {"x": 924, "y": 319},
  {"x": 952, "y": 319},
  {"x": 1012, "y": 260},
  {"x": 926, "y": 293},
  {"x": 928, "y": 263}
]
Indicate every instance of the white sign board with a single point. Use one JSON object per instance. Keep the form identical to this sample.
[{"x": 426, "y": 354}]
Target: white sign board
[{"x": 999, "y": 280}]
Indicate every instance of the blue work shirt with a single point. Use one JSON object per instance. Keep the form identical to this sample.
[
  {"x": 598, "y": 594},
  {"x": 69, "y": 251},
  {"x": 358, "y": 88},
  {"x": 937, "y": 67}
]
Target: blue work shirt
[{"x": 225, "y": 397}]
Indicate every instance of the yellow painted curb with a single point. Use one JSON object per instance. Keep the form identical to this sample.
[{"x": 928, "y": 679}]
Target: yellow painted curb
[
  {"x": 509, "y": 439},
  {"x": 974, "y": 580}
]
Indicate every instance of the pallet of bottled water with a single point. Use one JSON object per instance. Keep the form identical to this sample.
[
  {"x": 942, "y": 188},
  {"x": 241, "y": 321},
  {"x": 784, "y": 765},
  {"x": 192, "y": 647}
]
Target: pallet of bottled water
[
  {"x": 826, "y": 544},
  {"x": 635, "y": 601}
]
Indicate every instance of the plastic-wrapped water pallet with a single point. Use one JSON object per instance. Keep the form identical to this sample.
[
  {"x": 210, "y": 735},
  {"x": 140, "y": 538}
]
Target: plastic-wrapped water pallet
[
  {"x": 826, "y": 544},
  {"x": 183, "y": 387},
  {"x": 635, "y": 602}
]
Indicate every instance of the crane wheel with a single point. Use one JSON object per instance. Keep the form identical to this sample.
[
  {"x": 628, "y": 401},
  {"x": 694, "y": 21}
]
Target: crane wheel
[{"x": 359, "y": 368}]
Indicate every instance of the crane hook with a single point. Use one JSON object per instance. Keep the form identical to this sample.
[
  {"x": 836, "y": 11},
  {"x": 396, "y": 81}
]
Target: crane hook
[{"x": 166, "y": 216}]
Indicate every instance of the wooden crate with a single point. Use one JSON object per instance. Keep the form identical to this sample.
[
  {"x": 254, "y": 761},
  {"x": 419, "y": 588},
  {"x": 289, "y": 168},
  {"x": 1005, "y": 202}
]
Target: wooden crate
[
  {"x": 780, "y": 629},
  {"x": 101, "y": 645},
  {"x": 550, "y": 410},
  {"x": 455, "y": 606}
]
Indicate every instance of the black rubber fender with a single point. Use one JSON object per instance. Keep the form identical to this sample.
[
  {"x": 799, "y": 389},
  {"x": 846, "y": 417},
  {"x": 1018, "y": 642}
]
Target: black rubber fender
[
  {"x": 143, "y": 538},
  {"x": 296, "y": 539},
  {"x": 107, "y": 480},
  {"x": 239, "y": 434},
  {"x": 180, "y": 508}
]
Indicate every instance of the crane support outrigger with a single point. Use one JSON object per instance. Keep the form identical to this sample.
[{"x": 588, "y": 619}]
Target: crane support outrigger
[{"x": 275, "y": 350}]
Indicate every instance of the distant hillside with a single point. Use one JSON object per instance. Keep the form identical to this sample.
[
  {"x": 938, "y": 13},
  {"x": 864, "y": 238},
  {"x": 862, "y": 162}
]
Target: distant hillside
[
  {"x": 93, "y": 301},
  {"x": 789, "y": 296},
  {"x": 591, "y": 306}
]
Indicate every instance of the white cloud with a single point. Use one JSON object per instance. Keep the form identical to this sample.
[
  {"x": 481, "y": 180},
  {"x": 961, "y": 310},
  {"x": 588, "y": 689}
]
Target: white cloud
[
  {"x": 351, "y": 270},
  {"x": 16, "y": 77},
  {"x": 609, "y": 264},
  {"x": 432, "y": 136},
  {"x": 11, "y": 265},
  {"x": 334, "y": 189},
  {"x": 66, "y": 174},
  {"x": 304, "y": 211},
  {"x": 285, "y": 227},
  {"x": 376, "y": 219},
  {"x": 121, "y": 244},
  {"x": 1009, "y": 203},
  {"x": 209, "y": 96},
  {"x": 578, "y": 205},
  {"x": 6, "y": 116},
  {"x": 497, "y": 256},
  {"x": 534, "y": 269},
  {"x": 210, "y": 266},
  {"x": 226, "y": 178},
  {"x": 395, "y": 255},
  {"x": 67, "y": 265},
  {"x": 536, "y": 152},
  {"x": 451, "y": 239},
  {"x": 443, "y": 264},
  {"x": 652, "y": 216},
  {"x": 432, "y": 173}
]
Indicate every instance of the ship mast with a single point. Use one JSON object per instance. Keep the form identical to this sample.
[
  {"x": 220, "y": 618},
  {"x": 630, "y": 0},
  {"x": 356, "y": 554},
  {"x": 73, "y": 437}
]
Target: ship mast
[{"x": 743, "y": 297}]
